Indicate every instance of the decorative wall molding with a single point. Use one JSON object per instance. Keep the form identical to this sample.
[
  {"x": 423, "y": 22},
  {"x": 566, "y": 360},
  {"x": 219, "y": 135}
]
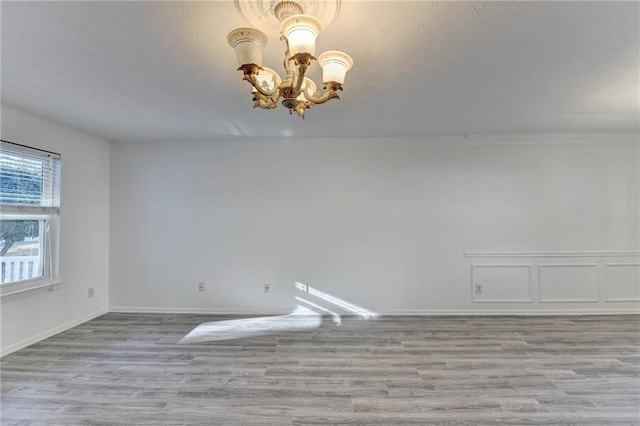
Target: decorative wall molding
[
  {"x": 602, "y": 253},
  {"x": 51, "y": 332},
  {"x": 633, "y": 281},
  {"x": 578, "y": 266},
  {"x": 608, "y": 281},
  {"x": 477, "y": 297},
  {"x": 542, "y": 139}
]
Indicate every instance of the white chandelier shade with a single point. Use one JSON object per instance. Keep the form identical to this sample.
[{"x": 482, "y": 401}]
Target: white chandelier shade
[
  {"x": 247, "y": 42},
  {"x": 301, "y": 31},
  {"x": 335, "y": 65},
  {"x": 298, "y": 93}
]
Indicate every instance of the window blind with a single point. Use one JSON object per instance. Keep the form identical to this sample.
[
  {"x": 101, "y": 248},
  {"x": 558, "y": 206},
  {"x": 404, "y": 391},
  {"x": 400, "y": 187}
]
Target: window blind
[{"x": 29, "y": 179}]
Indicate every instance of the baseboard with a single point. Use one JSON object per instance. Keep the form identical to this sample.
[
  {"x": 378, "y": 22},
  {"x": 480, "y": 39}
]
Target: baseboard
[
  {"x": 201, "y": 311},
  {"x": 392, "y": 312},
  {"x": 51, "y": 332},
  {"x": 511, "y": 312}
]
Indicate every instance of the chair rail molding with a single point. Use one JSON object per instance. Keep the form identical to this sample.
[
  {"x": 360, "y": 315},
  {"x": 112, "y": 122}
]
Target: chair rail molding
[{"x": 594, "y": 253}]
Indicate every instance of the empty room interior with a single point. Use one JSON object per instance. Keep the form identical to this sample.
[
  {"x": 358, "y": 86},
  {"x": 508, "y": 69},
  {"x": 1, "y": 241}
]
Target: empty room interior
[{"x": 261, "y": 212}]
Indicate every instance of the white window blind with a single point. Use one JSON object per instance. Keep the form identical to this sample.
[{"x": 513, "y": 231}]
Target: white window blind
[
  {"x": 29, "y": 219},
  {"x": 29, "y": 179}
]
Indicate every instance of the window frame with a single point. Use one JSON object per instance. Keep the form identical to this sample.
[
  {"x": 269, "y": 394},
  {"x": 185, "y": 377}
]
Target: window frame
[{"x": 50, "y": 235}]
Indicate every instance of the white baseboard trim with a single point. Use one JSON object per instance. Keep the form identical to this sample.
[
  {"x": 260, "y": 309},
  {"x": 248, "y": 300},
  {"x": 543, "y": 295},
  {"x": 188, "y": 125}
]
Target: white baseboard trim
[
  {"x": 510, "y": 312},
  {"x": 393, "y": 312},
  {"x": 202, "y": 311},
  {"x": 51, "y": 332}
]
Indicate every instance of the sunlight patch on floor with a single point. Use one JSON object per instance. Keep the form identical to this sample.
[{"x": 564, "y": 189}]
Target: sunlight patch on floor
[
  {"x": 300, "y": 319},
  {"x": 307, "y": 315}
]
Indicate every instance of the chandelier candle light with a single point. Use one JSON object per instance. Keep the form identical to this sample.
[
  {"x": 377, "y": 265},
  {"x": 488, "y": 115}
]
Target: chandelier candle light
[{"x": 299, "y": 32}]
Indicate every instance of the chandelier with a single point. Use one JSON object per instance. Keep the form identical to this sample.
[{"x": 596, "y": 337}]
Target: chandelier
[{"x": 298, "y": 93}]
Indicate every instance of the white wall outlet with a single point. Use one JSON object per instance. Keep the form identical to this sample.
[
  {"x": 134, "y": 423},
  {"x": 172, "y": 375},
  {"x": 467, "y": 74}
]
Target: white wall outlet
[
  {"x": 91, "y": 292},
  {"x": 201, "y": 286},
  {"x": 478, "y": 288},
  {"x": 267, "y": 288}
]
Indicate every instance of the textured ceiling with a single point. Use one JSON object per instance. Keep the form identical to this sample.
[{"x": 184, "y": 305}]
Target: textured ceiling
[{"x": 145, "y": 71}]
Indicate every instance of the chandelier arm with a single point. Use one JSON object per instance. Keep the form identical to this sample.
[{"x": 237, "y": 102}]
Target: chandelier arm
[
  {"x": 287, "y": 53},
  {"x": 328, "y": 95},
  {"x": 301, "y": 107},
  {"x": 289, "y": 83},
  {"x": 273, "y": 97},
  {"x": 265, "y": 102},
  {"x": 254, "y": 82},
  {"x": 300, "y": 79}
]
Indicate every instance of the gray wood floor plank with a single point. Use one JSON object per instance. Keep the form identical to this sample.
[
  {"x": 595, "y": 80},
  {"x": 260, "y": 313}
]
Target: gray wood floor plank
[{"x": 131, "y": 369}]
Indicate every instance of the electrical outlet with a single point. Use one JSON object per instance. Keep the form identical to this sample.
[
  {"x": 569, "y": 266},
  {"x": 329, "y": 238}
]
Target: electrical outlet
[
  {"x": 200, "y": 286},
  {"x": 267, "y": 288},
  {"x": 91, "y": 292},
  {"x": 478, "y": 288}
]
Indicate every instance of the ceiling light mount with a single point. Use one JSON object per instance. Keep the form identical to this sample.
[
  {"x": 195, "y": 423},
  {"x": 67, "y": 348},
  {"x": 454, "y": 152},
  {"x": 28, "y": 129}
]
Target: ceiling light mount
[
  {"x": 284, "y": 9},
  {"x": 266, "y": 15},
  {"x": 299, "y": 32}
]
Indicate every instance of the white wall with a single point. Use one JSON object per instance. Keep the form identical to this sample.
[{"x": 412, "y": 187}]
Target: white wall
[
  {"x": 84, "y": 232},
  {"x": 383, "y": 223}
]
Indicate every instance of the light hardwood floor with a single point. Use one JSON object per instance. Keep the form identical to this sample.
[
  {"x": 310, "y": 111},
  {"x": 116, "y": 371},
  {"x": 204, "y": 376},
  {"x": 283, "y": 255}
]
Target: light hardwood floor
[{"x": 130, "y": 369}]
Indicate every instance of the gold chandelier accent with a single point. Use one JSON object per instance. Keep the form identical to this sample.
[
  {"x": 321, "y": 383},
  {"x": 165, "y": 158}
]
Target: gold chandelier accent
[{"x": 298, "y": 93}]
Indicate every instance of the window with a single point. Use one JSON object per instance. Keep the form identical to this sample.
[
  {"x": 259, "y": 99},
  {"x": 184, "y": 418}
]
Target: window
[{"x": 29, "y": 218}]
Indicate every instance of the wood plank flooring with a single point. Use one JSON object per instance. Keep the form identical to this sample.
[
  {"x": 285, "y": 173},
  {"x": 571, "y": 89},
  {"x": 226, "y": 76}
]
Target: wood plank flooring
[{"x": 130, "y": 369}]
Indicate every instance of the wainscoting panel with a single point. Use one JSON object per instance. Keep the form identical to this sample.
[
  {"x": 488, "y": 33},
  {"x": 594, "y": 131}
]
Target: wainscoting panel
[
  {"x": 590, "y": 281},
  {"x": 568, "y": 282},
  {"x": 622, "y": 282},
  {"x": 501, "y": 283}
]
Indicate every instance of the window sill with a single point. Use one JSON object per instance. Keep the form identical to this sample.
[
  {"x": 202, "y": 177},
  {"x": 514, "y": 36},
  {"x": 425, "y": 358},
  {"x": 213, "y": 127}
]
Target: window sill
[{"x": 29, "y": 291}]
